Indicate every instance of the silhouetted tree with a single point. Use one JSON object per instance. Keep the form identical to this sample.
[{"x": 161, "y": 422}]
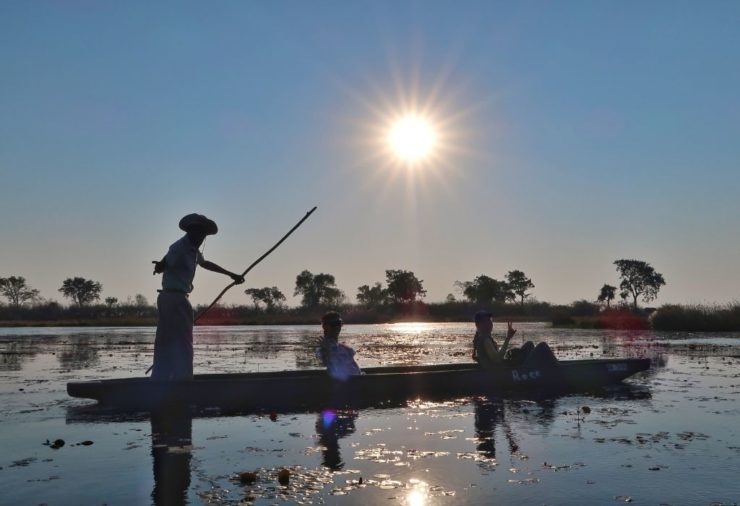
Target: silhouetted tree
[
  {"x": 450, "y": 298},
  {"x": 519, "y": 283},
  {"x": 15, "y": 289},
  {"x": 639, "y": 279},
  {"x": 317, "y": 289},
  {"x": 372, "y": 296},
  {"x": 111, "y": 301},
  {"x": 82, "y": 291},
  {"x": 270, "y": 296},
  {"x": 484, "y": 290},
  {"x": 404, "y": 286},
  {"x": 607, "y": 294},
  {"x": 140, "y": 300}
]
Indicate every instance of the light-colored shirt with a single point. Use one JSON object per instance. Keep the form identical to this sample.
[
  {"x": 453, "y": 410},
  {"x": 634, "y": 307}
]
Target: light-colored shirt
[
  {"x": 486, "y": 350},
  {"x": 339, "y": 360},
  {"x": 182, "y": 258}
]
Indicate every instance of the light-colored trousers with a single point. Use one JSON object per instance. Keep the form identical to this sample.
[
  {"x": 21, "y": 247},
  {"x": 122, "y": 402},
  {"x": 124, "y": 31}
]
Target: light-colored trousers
[{"x": 173, "y": 346}]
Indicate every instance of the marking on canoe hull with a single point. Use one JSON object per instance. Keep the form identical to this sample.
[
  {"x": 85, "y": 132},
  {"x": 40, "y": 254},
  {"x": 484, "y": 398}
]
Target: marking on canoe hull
[{"x": 532, "y": 375}]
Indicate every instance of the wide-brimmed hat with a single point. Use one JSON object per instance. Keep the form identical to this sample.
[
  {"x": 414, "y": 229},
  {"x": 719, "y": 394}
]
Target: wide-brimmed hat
[{"x": 198, "y": 222}]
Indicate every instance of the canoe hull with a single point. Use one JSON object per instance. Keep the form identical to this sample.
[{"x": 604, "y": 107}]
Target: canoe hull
[{"x": 313, "y": 388}]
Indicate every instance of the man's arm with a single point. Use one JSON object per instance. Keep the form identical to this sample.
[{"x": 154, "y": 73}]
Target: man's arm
[
  {"x": 210, "y": 266},
  {"x": 505, "y": 346},
  {"x": 160, "y": 266}
]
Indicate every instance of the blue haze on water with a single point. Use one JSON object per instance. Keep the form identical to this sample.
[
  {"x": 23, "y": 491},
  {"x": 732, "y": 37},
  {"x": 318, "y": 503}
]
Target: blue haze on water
[{"x": 669, "y": 436}]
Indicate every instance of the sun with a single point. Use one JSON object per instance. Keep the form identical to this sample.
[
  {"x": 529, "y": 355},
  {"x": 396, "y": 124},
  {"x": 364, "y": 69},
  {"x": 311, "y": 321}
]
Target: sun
[{"x": 412, "y": 138}]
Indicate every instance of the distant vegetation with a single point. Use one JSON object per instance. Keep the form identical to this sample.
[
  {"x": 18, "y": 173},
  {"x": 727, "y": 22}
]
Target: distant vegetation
[
  {"x": 717, "y": 318},
  {"x": 399, "y": 299}
]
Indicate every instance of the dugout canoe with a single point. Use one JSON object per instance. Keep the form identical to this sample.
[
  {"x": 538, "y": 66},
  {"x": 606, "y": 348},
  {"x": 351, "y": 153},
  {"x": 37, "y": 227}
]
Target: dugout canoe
[{"x": 308, "y": 389}]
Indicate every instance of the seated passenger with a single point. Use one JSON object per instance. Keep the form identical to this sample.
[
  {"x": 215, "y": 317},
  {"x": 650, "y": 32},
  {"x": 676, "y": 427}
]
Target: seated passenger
[
  {"x": 487, "y": 353},
  {"x": 338, "y": 358},
  {"x": 485, "y": 350}
]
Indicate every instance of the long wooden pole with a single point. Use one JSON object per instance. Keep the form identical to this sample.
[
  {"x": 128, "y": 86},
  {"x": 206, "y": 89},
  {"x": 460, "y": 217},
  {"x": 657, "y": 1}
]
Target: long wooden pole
[{"x": 233, "y": 283}]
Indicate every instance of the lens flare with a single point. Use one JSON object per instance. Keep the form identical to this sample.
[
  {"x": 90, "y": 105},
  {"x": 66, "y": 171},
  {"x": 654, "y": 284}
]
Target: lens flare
[{"x": 328, "y": 418}]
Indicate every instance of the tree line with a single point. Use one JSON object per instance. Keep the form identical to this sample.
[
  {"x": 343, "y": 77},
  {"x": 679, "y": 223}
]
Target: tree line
[{"x": 638, "y": 280}]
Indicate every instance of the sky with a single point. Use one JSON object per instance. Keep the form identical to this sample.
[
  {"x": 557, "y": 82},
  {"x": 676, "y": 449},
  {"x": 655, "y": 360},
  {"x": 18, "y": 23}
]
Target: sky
[{"x": 571, "y": 134}]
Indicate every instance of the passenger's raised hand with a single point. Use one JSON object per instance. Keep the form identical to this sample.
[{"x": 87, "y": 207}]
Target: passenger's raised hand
[{"x": 511, "y": 331}]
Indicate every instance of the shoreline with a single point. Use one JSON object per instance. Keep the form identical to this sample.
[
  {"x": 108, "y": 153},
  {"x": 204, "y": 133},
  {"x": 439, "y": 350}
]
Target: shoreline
[{"x": 236, "y": 322}]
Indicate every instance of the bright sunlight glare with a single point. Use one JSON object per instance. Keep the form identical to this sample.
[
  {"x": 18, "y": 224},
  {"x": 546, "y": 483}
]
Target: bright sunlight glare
[
  {"x": 412, "y": 138},
  {"x": 416, "y": 498}
]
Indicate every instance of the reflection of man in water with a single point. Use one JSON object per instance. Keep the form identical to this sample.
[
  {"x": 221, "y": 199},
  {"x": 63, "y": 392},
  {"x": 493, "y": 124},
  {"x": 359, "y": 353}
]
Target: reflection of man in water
[
  {"x": 173, "y": 346},
  {"x": 330, "y": 427},
  {"x": 171, "y": 447}
]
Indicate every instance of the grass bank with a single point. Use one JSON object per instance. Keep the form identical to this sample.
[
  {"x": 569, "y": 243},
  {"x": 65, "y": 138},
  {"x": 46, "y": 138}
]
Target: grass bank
[
  {"x": 98, "y": 315},
  {"x": 580, "y": 314},
  {"x": 696, "y": 318}
]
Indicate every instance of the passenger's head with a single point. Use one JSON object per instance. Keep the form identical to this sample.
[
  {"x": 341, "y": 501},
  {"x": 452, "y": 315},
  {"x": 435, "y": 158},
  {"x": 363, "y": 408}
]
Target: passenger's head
[
  {"x": 331, "y": 322},
  {"x": 484, "y": 321}
]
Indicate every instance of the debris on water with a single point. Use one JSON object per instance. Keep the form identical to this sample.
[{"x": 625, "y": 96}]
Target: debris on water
[
  {"x": 23, "y": 462},
  {"x": 273, "y": 416},
  {"x": 87, "y": 442},
  {"x": 526, "y": 481},
  {"x": 248, "y": 477},
  {"x": 623, "y": 498},
  {"x": 586, "y": 410},
  {"x": 58, "y": 443},
  {"x": 284, "y": 477}
]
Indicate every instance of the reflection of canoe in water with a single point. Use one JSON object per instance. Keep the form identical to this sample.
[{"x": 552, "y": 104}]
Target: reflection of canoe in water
[{"x": 306, "y": 389}]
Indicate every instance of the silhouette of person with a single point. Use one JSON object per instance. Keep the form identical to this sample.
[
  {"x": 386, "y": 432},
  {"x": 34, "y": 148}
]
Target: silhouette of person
[
  {"x": 488, "y": 354},
  {"x": 485, "y": 350},
  {"x": 338, "y": 358},
  {"x": 173, "y": 346}
]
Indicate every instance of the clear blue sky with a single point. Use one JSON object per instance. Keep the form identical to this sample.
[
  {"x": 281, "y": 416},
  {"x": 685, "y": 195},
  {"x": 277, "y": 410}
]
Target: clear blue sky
[{"x": 578, "y": 133}]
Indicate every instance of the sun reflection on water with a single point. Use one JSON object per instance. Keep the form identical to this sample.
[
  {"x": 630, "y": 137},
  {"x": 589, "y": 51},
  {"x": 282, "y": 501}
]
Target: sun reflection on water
[
  {"x": 411, "y": 327},
  {"x": 416, "y": 498}
]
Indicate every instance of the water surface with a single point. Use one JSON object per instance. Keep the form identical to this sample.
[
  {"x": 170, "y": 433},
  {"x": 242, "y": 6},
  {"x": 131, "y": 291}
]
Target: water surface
[{"x": 668, "y": 437}]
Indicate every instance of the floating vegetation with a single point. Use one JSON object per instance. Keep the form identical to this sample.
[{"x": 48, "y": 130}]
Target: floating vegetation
[
  {"x": 563, "y": 467},
  {"x": 526, "y": 481},
  {"x": 23, "y": 462},
  {"x": 446, "y": 434}
]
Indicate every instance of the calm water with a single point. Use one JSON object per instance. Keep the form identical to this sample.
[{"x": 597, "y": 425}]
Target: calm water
[{"x": 669, "y": 437}]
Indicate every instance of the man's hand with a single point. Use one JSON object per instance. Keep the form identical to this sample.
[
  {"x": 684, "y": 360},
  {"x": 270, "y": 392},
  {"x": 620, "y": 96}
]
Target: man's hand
[
  {"x": 159, "y": 266},
  {"x": 511, "y": 331},
  {"x": 238, "y": 278}
]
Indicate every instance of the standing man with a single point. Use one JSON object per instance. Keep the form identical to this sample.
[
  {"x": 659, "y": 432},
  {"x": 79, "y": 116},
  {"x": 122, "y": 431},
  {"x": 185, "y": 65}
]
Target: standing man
[{"x": 173, "y": 346}]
